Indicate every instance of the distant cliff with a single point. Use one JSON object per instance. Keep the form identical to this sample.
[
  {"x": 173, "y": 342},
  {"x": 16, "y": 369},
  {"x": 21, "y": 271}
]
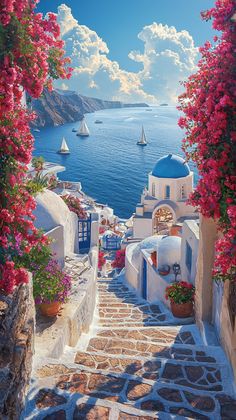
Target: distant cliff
[{"x": 59, "y": 107}]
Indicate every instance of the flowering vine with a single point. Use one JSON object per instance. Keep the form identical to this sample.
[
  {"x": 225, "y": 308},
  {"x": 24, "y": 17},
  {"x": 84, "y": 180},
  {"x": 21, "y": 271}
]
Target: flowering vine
[
  {"x": 119, "y": 261},
  {"x": 31, "y": 55},
  {"x": 209, "y": 107}
]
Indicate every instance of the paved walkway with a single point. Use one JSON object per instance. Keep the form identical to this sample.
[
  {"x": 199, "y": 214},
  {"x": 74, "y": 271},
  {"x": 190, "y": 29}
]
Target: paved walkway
[{"x": 134, "y": 365}]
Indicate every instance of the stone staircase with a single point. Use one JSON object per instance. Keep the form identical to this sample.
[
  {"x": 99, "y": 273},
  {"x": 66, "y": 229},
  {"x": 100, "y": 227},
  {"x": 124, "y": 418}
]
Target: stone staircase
[{"x": 138, "y": 363}]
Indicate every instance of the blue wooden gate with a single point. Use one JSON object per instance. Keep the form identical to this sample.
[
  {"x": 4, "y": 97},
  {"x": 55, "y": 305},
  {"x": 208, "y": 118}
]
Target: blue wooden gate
[
  {"x": 84, "y": 234},
  {"x": 112, "y": 243},
  {"x": 144, "y": 285}
]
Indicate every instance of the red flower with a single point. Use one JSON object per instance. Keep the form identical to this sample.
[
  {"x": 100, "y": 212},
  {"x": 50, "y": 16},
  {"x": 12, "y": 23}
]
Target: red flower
[
  {"x": 27, "y": 69},
  {"x": 209, "y": 122}
]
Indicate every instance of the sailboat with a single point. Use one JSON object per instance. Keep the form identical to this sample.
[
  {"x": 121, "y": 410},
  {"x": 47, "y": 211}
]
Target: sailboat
[
  {"x": 83, "y": 130},
  {"x": 64, "y": 150},
  {"x": 143, "y": 140}
]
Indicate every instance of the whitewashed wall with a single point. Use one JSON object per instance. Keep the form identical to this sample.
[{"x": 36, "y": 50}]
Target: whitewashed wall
[
  {"x": 190, "y": 234},
  {"x": 131, "y": 272},
  {"x": 51, "y": 212}
]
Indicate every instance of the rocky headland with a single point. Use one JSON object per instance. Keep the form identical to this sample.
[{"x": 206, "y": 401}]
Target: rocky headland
[{"x": 59, "y": 107}]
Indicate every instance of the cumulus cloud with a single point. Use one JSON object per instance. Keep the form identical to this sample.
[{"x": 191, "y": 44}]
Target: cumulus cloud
[{"x": 168, "y": 57}]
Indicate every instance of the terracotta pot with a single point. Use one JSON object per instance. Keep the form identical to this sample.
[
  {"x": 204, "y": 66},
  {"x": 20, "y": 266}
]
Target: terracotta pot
[
  {"x": 154, "y": 258},
  {"x": 164, "y": 272},
  {"x": 50, "y": 309},
  {"x": 182, "y": 310}
]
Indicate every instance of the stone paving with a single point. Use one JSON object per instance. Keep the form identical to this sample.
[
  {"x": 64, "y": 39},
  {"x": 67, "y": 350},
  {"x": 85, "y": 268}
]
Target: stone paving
[{"x": 137, "y": 365}]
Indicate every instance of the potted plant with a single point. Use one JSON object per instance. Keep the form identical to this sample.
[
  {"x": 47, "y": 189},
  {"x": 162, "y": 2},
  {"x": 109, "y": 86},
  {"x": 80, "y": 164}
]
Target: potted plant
[
  {"x": 119, "y": 261},
  {"x": 181, "y": 296},
  {"x": 51, "y": 288},
  {"x": 37, "y": 162}
]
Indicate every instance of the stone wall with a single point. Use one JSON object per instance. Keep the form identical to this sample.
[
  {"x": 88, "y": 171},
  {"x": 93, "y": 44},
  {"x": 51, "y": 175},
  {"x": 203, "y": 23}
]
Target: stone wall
[{"x": 17, "y": 321}]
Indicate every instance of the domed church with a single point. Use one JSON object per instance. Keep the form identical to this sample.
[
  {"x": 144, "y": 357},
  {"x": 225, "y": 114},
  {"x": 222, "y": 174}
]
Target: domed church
[{"x": 163, "y": 204}]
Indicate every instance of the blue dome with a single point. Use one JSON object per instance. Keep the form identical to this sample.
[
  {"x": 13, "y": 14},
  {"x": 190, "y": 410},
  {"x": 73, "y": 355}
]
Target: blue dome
[{"x": 171, "y": 166}]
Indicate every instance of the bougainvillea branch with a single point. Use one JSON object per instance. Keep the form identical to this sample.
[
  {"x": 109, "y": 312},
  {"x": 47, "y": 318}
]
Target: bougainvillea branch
[
  {"x": 209, "y": 107},
  {"x": 31, "y": 55}
]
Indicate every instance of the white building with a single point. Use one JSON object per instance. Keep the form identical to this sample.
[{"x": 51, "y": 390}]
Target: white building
[
  {"x": 148, "y": 279},
  {"x": 164, "y": 202},
  {"x": 49, "y": 169}
]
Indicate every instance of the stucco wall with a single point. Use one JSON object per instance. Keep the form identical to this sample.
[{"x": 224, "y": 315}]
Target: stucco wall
[
  {"x": 51, "y": 212},
  {"x": 57, "y": 243},
  {"x": 204, "y": 291},
  {"x": 190, "y": 234},
  {"x": 131, "y": 272},
  {"x": 205, "y": 262},
  {"x": 94, "y": 230},
  {"x": 156, "y": 284},
  {"x": 175, "y": 186},
  {"x": 142, "y": 228}
]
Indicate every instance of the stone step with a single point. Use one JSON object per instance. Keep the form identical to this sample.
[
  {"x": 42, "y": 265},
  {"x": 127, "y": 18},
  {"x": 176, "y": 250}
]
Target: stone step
[
  {"x": 56, "y": 406},
  {"x": 138, "y": 348},
  {"x": 113, "y": 302},
  {"x": 204, "y": 377},
  {"x": 164, "y": 335},
  {"x": 152, "y": 397},
  {"x": 136, "y": 324},
  {"x": 121, "y": 295}
]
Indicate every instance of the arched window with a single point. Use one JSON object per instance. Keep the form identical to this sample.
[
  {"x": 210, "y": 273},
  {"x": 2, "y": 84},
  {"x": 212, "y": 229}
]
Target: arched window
[
  {"x": 153, "y": 190},
  {"x": 183, "y": 192},
  {"x": 167, "y": 191}
]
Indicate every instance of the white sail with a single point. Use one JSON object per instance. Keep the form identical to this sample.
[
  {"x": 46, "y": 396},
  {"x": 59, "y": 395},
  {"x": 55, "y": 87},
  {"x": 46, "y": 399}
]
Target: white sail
[
  {"x": 64, "y": 147},
  {"x": 83, "y": 130},
  {"x": 143, "y": 140}
]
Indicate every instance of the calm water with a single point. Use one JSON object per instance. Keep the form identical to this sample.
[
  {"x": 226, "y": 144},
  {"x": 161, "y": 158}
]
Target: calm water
[{"x": 109, "y": 164}]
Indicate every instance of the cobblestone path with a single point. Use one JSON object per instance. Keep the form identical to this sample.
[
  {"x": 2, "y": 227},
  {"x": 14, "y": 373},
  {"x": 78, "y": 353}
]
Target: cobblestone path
[{"x": 136, "y": 365}]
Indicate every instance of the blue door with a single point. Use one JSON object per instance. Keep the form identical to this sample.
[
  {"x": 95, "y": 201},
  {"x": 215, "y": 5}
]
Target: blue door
[
  {"x": 144, "y": 285},
  {"x": 84, "y": 234}
]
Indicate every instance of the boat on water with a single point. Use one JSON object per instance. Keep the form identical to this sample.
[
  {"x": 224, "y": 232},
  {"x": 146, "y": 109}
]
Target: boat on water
[
  {"x": 83, "y": 130},
  {"x": 98, "y": 122},
  {"x": 74, "y": 130},
  {"x": 143, "y": 140},
  {"x": 64, "y": 150},
  {"x": 36, "y": 130}
]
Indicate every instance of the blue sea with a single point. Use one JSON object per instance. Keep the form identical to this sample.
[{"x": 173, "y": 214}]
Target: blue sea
[{"x": 109, "y": 164}]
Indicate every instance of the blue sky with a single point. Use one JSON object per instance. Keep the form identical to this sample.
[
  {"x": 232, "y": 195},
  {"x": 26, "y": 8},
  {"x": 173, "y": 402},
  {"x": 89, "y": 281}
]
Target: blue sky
[
  {"x": 125, "y": 53},
  {"x": 119, "y": 21}
]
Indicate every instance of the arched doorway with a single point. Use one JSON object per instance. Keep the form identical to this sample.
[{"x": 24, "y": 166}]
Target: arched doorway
[{"x": 162, "y": 221}]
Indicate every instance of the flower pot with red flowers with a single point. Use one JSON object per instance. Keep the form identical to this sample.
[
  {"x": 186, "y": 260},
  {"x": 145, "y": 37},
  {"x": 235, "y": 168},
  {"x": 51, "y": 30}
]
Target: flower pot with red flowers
[
  {"x": 119, "y": 261},
  {"x": 181, "y": 297},
  {"x": 51, "y": 288}
]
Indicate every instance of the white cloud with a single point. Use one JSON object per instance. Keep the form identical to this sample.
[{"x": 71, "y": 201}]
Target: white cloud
[{"x": 168, "y": 57}]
